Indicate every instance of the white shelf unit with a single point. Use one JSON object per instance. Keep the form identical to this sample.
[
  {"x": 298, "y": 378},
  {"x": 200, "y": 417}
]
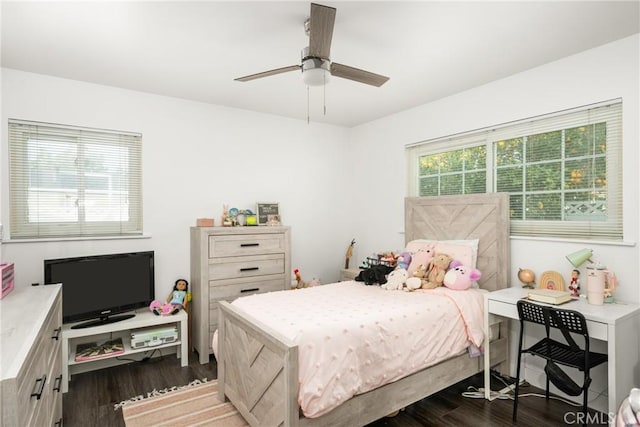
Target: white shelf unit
[{"x": 144, "y": 318}]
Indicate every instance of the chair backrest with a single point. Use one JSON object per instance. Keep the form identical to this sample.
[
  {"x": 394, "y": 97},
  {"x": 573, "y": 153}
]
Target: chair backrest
[
  {"x": 571, "y": 320},
  {"x": 567, "y": 321},
  {"x": 530, "y": 312}
]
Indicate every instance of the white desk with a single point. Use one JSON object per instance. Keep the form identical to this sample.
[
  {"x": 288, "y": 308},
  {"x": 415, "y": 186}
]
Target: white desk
[{"x": 617, "y": 324}]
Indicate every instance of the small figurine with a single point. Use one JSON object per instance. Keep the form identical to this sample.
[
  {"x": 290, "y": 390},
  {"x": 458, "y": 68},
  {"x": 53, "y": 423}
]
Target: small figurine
[
  {"x": 349, "y": 253},
  {"x": 299, "y": 282},
  {"x": 176, "y": 300},
  {"x": 610, "y": 286},
  {"x": 574, "y": 285}
]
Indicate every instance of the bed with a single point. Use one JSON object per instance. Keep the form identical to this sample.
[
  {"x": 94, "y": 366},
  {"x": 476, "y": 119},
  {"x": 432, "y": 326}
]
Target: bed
[{"x": 259, "y": 367}]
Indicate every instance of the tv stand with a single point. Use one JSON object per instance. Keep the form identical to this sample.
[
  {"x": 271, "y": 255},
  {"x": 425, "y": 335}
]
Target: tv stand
[
  {"x": 103, "y": 321},
  {"x": 72, "y": 336}
]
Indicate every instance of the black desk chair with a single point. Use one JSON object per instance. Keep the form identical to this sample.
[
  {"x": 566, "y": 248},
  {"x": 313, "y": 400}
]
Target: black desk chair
[{"x": 556, "y": 353}]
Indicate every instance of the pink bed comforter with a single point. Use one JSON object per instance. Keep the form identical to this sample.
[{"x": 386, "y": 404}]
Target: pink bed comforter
[{"x": 353, "y": 338}]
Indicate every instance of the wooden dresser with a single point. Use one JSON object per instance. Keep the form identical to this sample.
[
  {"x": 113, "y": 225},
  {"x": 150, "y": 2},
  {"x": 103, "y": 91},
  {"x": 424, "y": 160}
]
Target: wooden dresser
[
  {"x": 229, "y": 262},
  {"x": 31, "y": 364}
]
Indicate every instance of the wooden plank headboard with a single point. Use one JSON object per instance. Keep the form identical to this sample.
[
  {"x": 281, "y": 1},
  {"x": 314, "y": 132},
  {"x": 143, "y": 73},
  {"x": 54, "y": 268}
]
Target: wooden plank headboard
[{"x": 472, "y": 216}]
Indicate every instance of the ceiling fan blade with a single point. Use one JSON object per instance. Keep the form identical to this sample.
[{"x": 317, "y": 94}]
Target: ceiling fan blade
[
  {"x": 357, "y": 74},
  {"x": 268, "y": 73},
  {"x": 321, "y": 30}
]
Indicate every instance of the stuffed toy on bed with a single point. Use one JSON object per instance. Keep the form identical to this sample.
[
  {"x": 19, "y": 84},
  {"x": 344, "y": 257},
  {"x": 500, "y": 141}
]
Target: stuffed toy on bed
[
  {"x": 436, "y": 271},
  {"x": 403, "y": 261},
  {"x": 422, "y": 256},
  {"x": 460, "y": 277},
  {"x": 396, "y": 280},
  {"x": 415, "y": 282}
]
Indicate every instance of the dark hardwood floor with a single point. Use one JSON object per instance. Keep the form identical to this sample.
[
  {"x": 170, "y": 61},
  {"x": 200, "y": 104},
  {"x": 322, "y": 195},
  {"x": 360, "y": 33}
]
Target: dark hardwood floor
[{"x": 92, "y": 395}]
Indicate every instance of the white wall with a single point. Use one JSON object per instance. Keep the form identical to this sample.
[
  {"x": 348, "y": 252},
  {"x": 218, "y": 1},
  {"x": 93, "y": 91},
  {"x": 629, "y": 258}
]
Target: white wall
[
  {"x": 195, "y": 158},
  {"x": 608, "y": 72}
]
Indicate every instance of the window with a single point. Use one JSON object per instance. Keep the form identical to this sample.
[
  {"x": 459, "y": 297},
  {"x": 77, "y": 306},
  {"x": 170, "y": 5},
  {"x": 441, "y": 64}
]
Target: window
[
  {"x": 73, "y": 182},
  {"x": 562, "y": 171}
]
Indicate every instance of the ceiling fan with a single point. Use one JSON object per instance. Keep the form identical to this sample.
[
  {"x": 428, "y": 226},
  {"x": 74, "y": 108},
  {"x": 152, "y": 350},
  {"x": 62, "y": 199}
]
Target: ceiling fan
[{"x": 316, "y": 64}]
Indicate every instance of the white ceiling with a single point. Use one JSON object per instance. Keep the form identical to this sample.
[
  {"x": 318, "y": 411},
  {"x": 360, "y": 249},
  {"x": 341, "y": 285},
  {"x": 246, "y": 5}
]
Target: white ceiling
[{"x": 194, "y": 49}]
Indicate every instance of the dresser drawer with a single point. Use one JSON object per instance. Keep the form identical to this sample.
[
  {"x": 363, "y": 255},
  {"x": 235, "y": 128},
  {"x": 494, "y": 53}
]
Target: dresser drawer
[
  {"x": 246, "y": 244},
  {"x": 251, "y": 266},
  {"x": 233, "y": 289},
  {"x": 31, "y": 380},
  {"x": 53, "y": 398},
  {"x": 51, "y": 334}
]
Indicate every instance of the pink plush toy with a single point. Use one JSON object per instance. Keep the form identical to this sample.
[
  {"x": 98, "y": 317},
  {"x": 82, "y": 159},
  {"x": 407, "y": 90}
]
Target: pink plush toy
[
  {"x": 459, "y": 277},
  {"x": 159, "y": 308}
]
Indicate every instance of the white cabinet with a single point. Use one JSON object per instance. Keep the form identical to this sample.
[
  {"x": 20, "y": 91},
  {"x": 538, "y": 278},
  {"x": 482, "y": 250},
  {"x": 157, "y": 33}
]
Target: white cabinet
[
  {"x": 31, "y": 364},
  {"x": 229, "y": 262},
  {"x": 144, "y": 318}
]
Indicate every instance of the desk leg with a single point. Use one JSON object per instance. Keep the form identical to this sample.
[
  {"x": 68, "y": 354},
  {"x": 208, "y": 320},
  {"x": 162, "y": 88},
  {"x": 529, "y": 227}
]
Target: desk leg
[{"x": 487, "y": 351}]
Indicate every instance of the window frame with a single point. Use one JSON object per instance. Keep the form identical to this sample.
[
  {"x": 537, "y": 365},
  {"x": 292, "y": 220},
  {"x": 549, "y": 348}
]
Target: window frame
[
  {"x": 22, "y": 225},
  {"x": 609, "y": 111}
]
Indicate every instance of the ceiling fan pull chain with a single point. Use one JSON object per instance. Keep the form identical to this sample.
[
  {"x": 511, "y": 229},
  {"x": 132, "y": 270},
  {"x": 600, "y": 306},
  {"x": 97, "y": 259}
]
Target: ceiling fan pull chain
[{"x": 324, "y": 94}]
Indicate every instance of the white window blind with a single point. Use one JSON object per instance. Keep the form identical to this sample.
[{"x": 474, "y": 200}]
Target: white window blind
[
  {"x": 563, "y": 171},
  {"x": 67, "y": 181}
]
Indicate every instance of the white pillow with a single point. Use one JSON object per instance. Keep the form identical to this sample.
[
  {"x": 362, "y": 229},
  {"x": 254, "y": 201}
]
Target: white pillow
[{"x": 465, "y": 251}]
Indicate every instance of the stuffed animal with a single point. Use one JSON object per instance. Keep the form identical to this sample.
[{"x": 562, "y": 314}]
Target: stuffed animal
[
  {"x": 460, "y": 277},
  {"x": 403, "y": 261},
  {"x": 422, "y": 256},
  {"x": 415, "y": 282},
  {"x": 396, "y": 280},
  {"x": 436, "y": 271},
  {"x": 372, "y": 275}
]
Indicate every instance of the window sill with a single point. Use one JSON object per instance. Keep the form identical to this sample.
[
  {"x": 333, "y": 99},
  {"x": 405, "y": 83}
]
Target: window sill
[{"x": 73, "y": 239}]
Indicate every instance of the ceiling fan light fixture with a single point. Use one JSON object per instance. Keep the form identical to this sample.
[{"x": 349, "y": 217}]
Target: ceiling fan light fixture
[{"x": 315, "y": 72}]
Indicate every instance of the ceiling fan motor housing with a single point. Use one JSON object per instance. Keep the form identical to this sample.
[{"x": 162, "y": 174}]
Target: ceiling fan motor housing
[{"x": 315, "y": 71}]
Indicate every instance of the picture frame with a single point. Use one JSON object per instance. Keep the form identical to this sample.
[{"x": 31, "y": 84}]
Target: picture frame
[{"x": 265, "y": 209}]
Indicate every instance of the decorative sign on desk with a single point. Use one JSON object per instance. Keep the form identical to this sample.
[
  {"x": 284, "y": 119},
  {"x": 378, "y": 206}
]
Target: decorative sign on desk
[{"x": 264, "y": 210}]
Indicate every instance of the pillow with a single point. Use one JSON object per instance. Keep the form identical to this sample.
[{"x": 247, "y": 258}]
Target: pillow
[{"x": 465, "y": 251}]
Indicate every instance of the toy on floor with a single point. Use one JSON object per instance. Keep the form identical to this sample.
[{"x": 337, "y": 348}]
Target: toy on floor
[
  {"x": 177, "y": 299},
  {"x": 301, "y": 283}
]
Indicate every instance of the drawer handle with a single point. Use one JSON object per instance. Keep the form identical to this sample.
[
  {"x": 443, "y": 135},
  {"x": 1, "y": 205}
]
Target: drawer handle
[
  {"x": 57, "y": 383},
  {"x": 42, "y": 381},
  {"x": 249, "y": 269},
  {"x": 56, "y": 333},
  {"x": 248, "y": 245},
  {"x": 249, "y": 290}
]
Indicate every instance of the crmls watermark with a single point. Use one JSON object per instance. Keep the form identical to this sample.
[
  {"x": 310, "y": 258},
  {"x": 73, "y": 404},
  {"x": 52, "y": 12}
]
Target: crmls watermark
[{"x": 581, "y": 418}]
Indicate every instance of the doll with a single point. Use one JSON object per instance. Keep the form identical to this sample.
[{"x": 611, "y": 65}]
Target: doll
[
  {"x": 574, "y": 285},
  {"x": 176, "y": 300}
]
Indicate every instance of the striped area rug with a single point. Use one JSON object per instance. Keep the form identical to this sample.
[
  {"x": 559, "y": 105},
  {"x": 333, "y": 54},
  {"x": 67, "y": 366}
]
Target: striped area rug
[{"x": 196, "y": 405}]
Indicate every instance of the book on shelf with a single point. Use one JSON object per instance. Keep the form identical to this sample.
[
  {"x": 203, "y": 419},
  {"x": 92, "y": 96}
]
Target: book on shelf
[
  {"x": 98, "y": 350},
  {"x": 549, "y": 296}
]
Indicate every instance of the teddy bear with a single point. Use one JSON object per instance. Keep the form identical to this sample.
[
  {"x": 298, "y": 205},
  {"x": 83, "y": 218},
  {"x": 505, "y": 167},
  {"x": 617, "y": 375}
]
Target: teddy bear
[
  {"x": 460, "y": 277},
  {"x": 436, "y": 271},
  {"x": 415, "y": 282},
  {"x": 396, "y": 280}
]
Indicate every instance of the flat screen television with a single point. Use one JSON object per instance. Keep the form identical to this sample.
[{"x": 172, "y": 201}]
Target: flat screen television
[{"x": 99, "y": 288}]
